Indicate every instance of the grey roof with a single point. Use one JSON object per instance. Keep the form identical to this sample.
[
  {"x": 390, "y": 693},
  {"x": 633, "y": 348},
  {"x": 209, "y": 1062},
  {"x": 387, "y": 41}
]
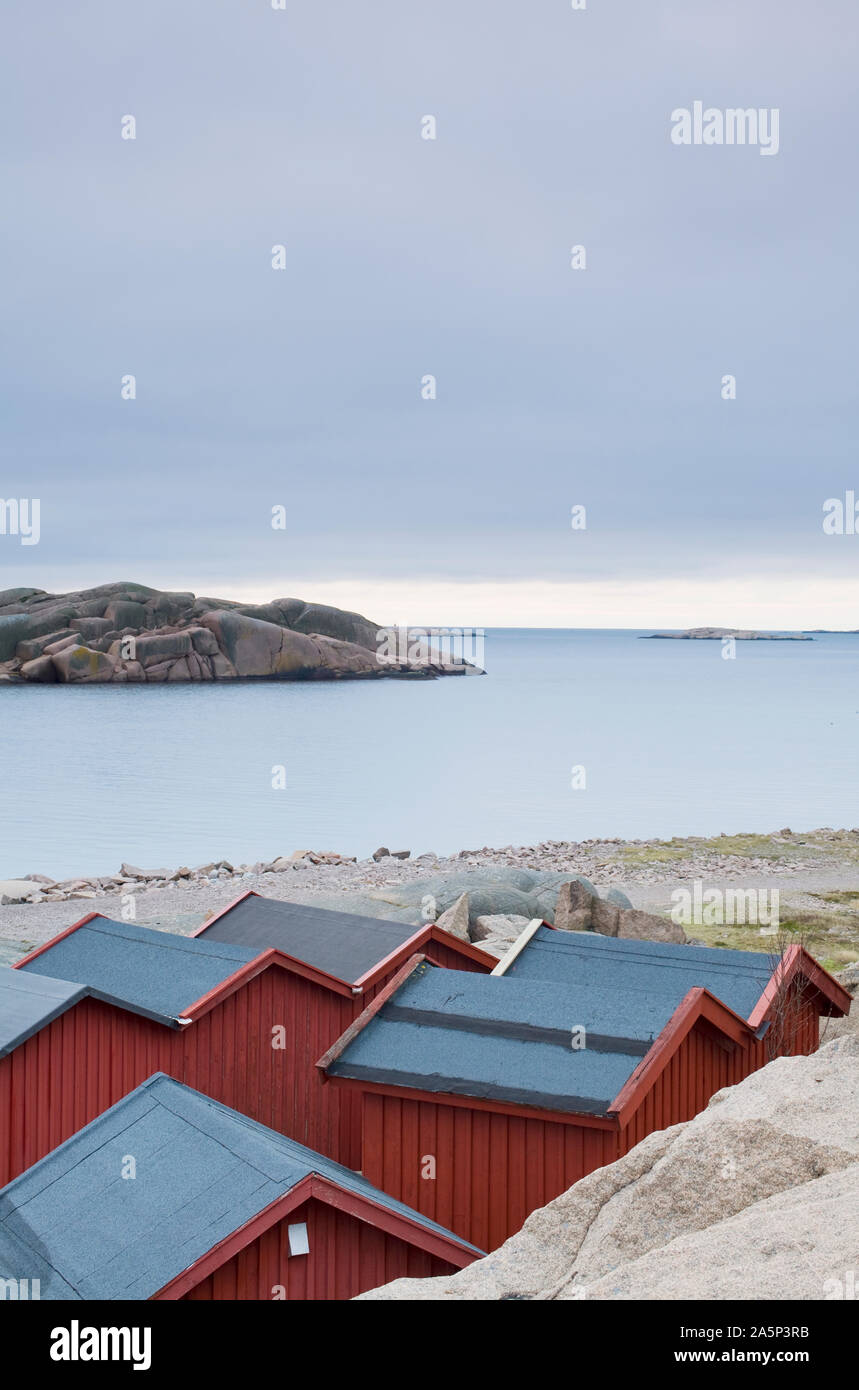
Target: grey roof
[
  {"x": 154, "y": 973},
  {"x": 202, "y": 1170},
  {"x": 597, "y": 963},
  {"x": 342, "y": 944},
  {"x": 491, "y": 1037},
  {"x": 28, "y": 1002}
]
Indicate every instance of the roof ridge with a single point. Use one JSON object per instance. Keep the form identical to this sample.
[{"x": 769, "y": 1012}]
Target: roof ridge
[
  {"x": 19, "y": 976},
  {"x": 509, "y": 1028},
  {"x": 755, "y": 957},
  {"x": 282, "y": 1141},
  {"x": 66, "y": 1143},
  {"x": 171, "y": 940}
]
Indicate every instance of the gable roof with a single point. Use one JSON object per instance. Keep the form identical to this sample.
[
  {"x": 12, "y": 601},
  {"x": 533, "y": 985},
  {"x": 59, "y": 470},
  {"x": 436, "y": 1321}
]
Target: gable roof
[
  {"x": 202, "y": 1172},
  {"x": 635, "y": 1001},
  {"x": 601, "y": 963},
  {"x": 341, "y": 944},
  {"x": 154, "y": 973},
  {"x": 29, "y": 1002},
  {"x": 831, "y": 996},
  {"x": 740, "y": 979},
  {"x": 494, "y": 1038}
]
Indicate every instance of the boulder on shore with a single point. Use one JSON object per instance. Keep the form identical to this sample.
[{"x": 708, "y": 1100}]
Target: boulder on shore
[
  {"x": 757, "y": 1197},
  {"x": 455, "y": 919},
  {"x": 17, "y": 890},
  {"x": 497, "y": 891},
  {"x": 579, "y": 909}
]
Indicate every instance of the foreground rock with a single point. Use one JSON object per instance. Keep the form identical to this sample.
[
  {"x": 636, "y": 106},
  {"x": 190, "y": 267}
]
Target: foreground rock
[
  {"x": 755, "y": 1198},
  {"x": 130, "y": 633},
  {"x": 844, "y": 1027}
]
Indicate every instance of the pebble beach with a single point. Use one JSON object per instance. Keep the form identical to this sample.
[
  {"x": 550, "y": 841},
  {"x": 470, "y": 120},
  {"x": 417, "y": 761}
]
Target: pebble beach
[{"x": 816, "y": 873}]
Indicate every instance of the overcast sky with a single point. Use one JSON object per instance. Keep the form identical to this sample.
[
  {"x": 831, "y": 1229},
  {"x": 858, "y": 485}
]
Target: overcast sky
[{"x": 301, "y": 387}]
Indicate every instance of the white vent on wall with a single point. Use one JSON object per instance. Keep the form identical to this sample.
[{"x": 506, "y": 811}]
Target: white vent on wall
[{"x": 298, "y": 1242}]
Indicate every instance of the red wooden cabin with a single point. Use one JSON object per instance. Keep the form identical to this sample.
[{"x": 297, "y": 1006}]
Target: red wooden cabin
[
  {"x": 244, "y": 1025},
  {"x": 483, "y": 1099},
  {"x": 216, "y": 1207},
  {"x": 338, "y": 962}
]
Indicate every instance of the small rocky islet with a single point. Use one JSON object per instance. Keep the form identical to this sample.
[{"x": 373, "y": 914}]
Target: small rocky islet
[
  {"x": 716, "y": 634},
  {"x": 124, "y": 632}
]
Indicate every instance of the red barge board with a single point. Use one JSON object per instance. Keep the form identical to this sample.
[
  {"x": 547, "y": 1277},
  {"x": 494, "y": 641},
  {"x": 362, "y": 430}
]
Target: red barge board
[{"x": 485, "y": 1098}]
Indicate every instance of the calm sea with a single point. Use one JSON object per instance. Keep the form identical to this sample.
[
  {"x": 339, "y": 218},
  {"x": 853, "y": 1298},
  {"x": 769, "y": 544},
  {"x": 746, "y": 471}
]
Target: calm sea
[{"x": 673, "y": 740}]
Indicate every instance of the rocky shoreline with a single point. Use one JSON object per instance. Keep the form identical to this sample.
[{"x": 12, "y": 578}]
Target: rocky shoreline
[
  {"x": 817, "y": 873},
  {"x": 128, "y": 633},
  {"x": 643, "y": 862}
]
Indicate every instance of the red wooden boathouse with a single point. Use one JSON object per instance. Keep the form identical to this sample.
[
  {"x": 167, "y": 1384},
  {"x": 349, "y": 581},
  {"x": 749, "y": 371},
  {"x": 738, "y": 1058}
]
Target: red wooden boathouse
[
  {"x": 483, "y": 1099},
  {"x": 338, "y": 962},
  {"x": 92, "y": 1013},
  {"x": 219, "y": 1208}
]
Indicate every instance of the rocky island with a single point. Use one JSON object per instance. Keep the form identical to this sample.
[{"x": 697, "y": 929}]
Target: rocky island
[
  {"x": 127, "y": 632},
  {"x": 714, "y": 634}
]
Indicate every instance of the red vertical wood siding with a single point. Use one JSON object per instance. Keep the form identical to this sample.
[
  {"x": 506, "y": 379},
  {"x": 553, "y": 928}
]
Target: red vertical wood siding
[
  {"x": 347, "y": 1257},
  {"x": 449, "y": 958},
  {"x": 700, "y": 1067},
  {"x": 491, "y": 1169},
  {"x": 95, "y": 1053}
]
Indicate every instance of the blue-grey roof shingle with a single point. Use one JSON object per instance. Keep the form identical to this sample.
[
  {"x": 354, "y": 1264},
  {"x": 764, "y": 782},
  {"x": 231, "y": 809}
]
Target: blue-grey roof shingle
[
  {"x": 512, "y": 1037},
  {"x": 86, "y": 1231},
  {"x": 529, "y": 1042},
  {"x": 28, "y": 1002},
  {"x": 155, "y": 973},
  {"x": 343, "y": 944},
  {"x": 597, "y": 963}
]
